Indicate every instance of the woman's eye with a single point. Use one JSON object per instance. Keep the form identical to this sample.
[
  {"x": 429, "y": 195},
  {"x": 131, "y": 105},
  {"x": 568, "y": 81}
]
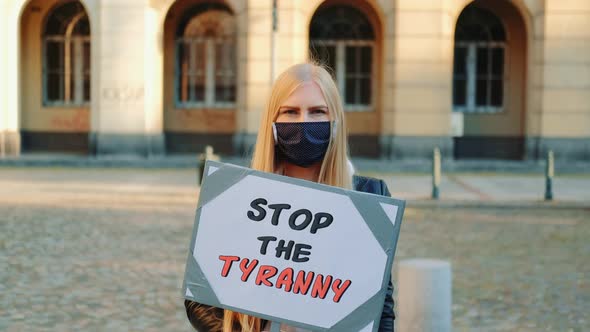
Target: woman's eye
[
  {"x": 289, "y": 111},
  {"x": 319, "y": 111}
]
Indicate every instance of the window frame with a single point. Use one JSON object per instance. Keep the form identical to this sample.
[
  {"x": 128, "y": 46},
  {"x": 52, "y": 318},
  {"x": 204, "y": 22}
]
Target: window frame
[
  {"x": 471, "y": 77},
  {"x": 340, "y": 69},
  {"x": 73, "y": 46},
  {"x": 210, "y": 74}
]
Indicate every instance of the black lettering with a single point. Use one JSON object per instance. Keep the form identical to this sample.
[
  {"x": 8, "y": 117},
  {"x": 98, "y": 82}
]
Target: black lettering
[
  {"x": 305, "y": 222},
  {"x": 256, "y": 206},
  {"x": 317, "y": 221},
  {"x": 281, "y": 248},
  {"x": 299, "y": 250},
  {"x": 265, "y": 241},
  {"x": 278, "y": 208}
]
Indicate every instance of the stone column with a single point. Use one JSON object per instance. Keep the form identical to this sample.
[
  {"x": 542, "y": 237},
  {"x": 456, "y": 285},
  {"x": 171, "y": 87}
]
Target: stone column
[
  {"x": 418, "y": 101},
  {"x": 127, "y": 65},
  {"x": 387, "y": 102},
  {"x": 9, "y": 87},
  {"x": 255, "y": 79},
  {"x": 241, "y": 142},
  {"x": 564, "y": 68},
  {"x": 534, "y": 79}
]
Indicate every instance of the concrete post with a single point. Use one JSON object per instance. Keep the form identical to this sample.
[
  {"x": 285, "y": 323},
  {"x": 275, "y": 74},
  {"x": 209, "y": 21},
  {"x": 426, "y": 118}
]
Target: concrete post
[
  {"x": 203, "y": 157},
  {"x": 549, "y": 173},
  {"x": 435, "y": 173},
  {"x": 424, "y": 296}
]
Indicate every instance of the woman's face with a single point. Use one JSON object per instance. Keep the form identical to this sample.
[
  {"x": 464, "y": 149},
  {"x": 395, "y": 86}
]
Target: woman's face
[{"x": 305, "y": 104}]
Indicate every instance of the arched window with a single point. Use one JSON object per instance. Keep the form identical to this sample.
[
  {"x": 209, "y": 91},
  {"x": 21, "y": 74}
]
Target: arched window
[
  {"x": 66, "y": 56},
  {"x": 478, "y": 70},
  {"x": 206, "y": 58},
  {"x": 342, "y": 38}
]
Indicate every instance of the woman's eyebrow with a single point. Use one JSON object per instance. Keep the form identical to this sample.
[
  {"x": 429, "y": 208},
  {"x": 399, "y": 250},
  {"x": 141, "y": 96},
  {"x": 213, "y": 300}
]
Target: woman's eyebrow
[{"x": 297, "y": 107}]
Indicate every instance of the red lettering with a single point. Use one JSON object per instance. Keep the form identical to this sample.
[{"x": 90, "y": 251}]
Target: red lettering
[
  {"x": 303, "y": 282},
  {"x": 321, "y": 287},
  {"x": 339, "y": 288},
  {"x": 285, "y": 278},
  {"x": 247, "y": 269},
  {"x": 265, "y": 272},
  {"x": 319, "y": 284},
  {"x": 227, "y": 265}
]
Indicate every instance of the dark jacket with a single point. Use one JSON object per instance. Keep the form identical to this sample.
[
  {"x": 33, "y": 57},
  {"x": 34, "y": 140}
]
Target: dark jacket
[
  {"x": 205, "y": 318},
  {"x": 375, "y": 186}
]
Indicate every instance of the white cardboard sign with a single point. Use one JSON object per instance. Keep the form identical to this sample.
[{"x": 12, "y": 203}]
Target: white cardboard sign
[{"x": 289, "y": 250}]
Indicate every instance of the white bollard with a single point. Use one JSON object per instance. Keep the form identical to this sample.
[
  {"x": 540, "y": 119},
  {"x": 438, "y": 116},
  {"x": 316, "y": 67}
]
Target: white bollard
[{"x": 424, "y": 296}]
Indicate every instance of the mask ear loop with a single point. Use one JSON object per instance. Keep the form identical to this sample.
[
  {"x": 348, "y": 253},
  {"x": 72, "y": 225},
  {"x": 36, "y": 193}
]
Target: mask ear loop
[
  {"x": 274, "y": 133},
  {"x": 334, "y": 130}
]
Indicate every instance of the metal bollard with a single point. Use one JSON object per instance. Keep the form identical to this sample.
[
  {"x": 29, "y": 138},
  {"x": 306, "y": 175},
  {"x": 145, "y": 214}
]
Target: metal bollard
[
  {"x": 435, "y": 173},
  {"x": 424, "y": 295},
  {"x": 207, "y": 155},
  {"x": 549, "y": 173}
]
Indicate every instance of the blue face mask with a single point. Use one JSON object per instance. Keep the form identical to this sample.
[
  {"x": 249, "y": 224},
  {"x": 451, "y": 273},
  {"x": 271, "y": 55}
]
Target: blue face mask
[{"x": 302, "y": 143}]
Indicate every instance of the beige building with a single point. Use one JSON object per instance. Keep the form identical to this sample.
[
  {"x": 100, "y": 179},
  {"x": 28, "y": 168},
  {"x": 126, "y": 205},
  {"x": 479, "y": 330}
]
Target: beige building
[{"x": 500, "y": 79}]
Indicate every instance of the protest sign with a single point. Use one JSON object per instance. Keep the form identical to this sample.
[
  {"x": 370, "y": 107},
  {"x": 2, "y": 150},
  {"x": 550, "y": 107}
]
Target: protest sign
[{"x": 291, "y": 251}]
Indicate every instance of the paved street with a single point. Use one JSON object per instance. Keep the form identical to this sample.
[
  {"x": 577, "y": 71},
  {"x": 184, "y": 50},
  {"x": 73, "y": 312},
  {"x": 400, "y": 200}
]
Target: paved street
[{"x": 104, "y": 249}]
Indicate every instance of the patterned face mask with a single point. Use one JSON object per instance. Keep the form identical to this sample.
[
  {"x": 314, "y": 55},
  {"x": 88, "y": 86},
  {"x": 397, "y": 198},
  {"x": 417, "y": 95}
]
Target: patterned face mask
[{"x": 302, "y": 143}]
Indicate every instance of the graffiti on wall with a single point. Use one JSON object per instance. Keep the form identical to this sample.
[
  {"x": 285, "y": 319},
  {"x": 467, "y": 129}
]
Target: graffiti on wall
[
  {"x": 78, "y": 121},
  {"x": 122, "y": 94}
]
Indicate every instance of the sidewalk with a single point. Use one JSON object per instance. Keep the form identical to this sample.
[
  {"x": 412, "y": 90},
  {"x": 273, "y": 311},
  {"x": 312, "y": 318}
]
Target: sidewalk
[
  {"x": 457, "y": 189},
  {"x": 361, "y": 164},
  {"x": 491, "y": 190}
]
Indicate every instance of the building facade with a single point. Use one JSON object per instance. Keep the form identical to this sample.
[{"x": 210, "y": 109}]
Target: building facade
[{"x": 494, "y": 79}]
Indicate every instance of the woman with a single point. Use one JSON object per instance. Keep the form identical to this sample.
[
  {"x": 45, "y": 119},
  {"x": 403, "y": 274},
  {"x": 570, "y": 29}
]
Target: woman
[{"x": 303, "y": 135}]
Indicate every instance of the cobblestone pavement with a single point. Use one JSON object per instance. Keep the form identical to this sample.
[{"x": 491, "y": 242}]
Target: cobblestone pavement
[{"x": 104, "y": 250}]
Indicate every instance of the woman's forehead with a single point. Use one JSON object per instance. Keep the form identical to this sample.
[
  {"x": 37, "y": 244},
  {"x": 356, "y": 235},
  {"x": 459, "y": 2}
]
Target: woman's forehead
[{"x": 308, "y": 93}]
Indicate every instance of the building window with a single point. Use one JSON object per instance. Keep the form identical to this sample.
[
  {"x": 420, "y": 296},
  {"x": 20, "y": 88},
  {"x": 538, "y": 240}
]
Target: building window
[
  {"x": 206, "y": 59},
  {"x": 479, "y": 63},
  {"x": 66, "y": 57},
  {"x": 342, "y": 38}
]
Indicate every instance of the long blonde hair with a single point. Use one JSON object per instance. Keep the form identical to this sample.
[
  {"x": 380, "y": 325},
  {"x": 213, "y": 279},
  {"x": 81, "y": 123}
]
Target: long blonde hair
[{"x": 335, "y": 169}]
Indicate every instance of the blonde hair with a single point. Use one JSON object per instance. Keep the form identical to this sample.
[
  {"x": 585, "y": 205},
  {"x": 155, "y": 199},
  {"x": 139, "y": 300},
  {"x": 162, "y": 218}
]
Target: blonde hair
[
  {"x": 335, "y": 169},
  {"x": 247, "y": 323}
]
